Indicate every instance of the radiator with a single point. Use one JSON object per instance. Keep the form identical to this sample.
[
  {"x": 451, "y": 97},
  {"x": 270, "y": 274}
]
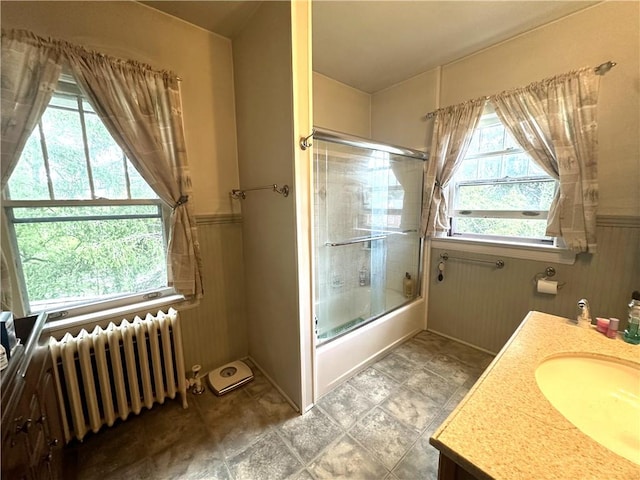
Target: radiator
[{"x": 114, "y": 372}]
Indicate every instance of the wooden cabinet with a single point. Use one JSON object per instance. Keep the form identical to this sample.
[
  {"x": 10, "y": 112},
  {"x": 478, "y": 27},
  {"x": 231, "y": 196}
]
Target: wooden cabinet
[
  {"x": 450, "y": 470},
  {"x": 31, "y": 427}
]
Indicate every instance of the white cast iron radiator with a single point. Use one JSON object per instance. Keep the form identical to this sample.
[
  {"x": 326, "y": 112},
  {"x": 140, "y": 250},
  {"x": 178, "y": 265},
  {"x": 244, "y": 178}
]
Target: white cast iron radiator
[{"x": 108, "y": 374}]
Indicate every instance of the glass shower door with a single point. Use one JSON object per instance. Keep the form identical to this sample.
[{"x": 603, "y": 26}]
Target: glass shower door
[{"x": 367, "y": 208}]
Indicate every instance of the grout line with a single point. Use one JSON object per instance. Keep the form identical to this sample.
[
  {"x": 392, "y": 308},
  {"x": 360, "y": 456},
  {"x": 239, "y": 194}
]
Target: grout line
[
  {"x": 325, "y": 449},
  {"x": 291, "y": 449},
  {"x": 372, "y": 454}
]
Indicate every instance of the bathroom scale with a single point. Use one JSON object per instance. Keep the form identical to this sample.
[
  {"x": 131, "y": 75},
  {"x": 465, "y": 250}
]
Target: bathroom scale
[{"x": 229, "y": 377}]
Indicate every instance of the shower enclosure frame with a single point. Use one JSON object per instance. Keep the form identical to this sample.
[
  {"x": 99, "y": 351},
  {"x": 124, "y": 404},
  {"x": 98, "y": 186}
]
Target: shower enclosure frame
[
  {"x": 352, "y": 140},
  {"x": 379, "y": 333}
]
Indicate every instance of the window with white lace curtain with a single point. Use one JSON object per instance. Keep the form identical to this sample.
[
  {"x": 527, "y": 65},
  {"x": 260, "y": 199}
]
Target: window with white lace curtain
[
  {"x": 86, "y": 227},
  {"x": 498, "y": 192}
]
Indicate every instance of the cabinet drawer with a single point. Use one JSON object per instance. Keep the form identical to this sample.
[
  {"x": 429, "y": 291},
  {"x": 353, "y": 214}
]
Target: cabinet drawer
[{"x": 15, "y": 440}]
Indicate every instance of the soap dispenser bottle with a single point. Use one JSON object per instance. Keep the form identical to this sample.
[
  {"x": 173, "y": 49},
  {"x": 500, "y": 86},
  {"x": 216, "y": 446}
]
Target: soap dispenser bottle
[
  {"x": 632, "y": 333},
  {"x": 407, "y": 285}
]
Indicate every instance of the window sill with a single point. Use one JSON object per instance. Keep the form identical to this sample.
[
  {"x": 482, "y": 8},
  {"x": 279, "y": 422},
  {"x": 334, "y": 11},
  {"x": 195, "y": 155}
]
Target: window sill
[
  {"x": 541, "y": 253},
  {"x": 73, "y": 325}
]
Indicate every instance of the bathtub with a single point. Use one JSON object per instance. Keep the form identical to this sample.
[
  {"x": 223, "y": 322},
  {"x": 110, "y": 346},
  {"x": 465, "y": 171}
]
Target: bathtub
[
  {"x": 347, "y": 310},
  {"x": 358, "y": 347}
]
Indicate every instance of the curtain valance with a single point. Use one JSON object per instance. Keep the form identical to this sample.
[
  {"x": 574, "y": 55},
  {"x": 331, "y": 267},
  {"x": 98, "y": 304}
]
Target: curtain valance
[{"x": 63, "y": 48}]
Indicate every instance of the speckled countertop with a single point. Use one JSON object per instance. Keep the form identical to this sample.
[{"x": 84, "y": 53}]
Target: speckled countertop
[{"x": 506, "y": 429}]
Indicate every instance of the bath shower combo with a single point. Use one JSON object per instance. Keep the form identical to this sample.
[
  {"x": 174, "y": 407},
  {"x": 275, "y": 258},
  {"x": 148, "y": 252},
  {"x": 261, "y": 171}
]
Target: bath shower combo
[{"x": 367, "y": 201}]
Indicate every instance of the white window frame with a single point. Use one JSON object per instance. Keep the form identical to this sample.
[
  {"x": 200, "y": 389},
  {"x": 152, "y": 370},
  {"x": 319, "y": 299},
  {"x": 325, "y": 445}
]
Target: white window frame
[
  {"x": 510, "y": 214},
  {"x": 91, "y": 309},
  {"x": 544, "y": 249}
]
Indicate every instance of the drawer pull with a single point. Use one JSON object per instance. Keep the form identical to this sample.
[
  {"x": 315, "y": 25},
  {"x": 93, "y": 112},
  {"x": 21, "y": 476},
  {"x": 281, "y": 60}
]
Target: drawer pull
[
  {"x": 24, "y": 428},
  {"x": 53, "y": 442}
]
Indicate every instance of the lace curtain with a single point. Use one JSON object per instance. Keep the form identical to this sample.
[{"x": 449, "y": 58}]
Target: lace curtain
[
  {"x": 29, "y": 73},
  {"x": 555, "y": 121},
  {"x": 452, "y": 132},
  {"x": 141, "y": 109}
]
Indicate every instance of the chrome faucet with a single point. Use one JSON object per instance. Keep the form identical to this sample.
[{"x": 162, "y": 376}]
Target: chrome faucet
[{"x": 584, "y": 313}]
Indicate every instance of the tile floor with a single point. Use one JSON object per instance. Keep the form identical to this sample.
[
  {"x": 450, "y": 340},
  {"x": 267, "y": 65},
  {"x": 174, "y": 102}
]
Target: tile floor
[{"x": 375, "y": 426}]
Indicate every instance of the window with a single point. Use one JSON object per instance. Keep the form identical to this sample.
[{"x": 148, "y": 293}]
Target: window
[
  {"x": 393, "y": 194},
  {"x": 498, "y": 191},
  {"x": 382, "y": 197},
  {"x": 86, "y": 226}
]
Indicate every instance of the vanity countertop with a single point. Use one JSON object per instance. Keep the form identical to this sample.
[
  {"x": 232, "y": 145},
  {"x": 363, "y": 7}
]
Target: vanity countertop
[{"x": 506, "y": 429}]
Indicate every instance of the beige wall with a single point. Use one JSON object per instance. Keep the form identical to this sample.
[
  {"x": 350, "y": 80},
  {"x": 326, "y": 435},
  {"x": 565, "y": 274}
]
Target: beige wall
[
  {"x": 215, "y": 332},
  {"x": 608, "y": 31},
  {"x": 398, "y": 112},
  {"x": 203, "y": 60},
  {"x": 341, "y": 108},
  {"x": 496, "y": 301},
  {"x": 262, "y": 57}
]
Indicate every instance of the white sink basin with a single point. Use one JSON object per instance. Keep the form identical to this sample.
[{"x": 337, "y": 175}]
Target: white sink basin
[{"x": 599, "y": 395}]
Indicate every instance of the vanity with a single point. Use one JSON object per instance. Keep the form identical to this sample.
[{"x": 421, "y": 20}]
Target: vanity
[
  {"x": 32, "y": 437},
  {"x": 507, "y": 428}
]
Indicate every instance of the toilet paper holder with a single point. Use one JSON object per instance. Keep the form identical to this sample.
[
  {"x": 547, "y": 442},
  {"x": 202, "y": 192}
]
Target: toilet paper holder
[{"x": 548, "y": 273}]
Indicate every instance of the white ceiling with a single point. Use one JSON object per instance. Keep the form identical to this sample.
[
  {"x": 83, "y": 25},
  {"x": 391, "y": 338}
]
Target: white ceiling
[
  {"x": 372, "y": 45},
  {"x": 223, "y": 17}
]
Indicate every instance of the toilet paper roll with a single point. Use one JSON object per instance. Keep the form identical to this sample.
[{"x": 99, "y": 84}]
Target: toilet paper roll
[{"x": 547, "y": 286}]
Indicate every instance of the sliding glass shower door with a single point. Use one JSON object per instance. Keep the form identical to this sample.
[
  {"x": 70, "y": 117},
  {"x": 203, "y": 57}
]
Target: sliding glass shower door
[{"x": 367, "y": 247}]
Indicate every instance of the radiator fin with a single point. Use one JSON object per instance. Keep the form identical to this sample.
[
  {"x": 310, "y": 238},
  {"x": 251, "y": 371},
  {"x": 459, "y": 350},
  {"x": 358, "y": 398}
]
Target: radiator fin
[{"x": 111, "y": 373}]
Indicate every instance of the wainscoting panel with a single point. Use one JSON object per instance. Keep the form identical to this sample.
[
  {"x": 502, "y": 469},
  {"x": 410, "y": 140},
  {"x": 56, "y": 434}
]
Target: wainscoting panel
[
  {"x": 482, "y": 305},
  {"x": 215, "y": 332}
]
